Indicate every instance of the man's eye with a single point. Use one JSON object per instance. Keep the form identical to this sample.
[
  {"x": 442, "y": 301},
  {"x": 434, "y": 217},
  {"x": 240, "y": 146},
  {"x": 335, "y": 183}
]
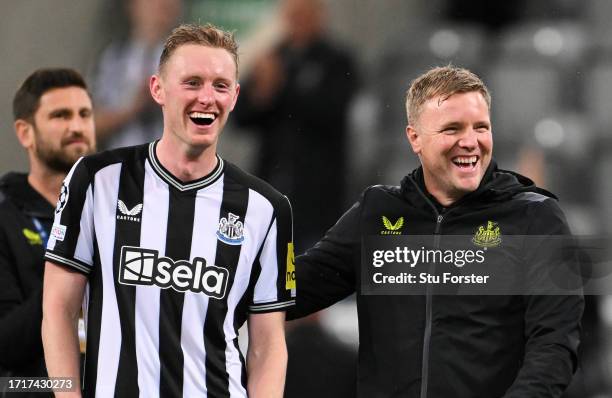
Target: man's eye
[
  {"x": 450, "y": 130},
  {"x": 192, "y": 83}
]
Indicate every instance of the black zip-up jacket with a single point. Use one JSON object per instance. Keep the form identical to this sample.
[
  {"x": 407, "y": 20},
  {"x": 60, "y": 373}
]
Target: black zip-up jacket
[
  {"x": 26, "y": 220},
  {"x": 442, "y": 346}
]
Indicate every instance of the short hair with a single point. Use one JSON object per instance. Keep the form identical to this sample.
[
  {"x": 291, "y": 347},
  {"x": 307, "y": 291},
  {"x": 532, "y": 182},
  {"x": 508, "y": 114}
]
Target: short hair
[
  {"x": 27, "y": 97},
  {"x": 205, "y": 35},
  {"x": 442, "y": 81}
]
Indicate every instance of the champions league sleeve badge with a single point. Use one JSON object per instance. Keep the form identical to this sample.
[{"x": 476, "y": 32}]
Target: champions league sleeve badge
[{"x": 63, "y": 198}]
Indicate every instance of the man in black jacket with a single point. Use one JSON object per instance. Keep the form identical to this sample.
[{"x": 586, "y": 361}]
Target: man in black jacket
[
  {"x": 54, "y": 123},
  {"x": 434, "y": 345}
]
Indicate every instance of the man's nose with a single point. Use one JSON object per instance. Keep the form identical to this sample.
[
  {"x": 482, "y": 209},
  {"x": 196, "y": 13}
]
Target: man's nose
[
  {"x": 206, "y": 94},
  {"x": 469, "y": 139},
  {"x": 77, "y": 124}
]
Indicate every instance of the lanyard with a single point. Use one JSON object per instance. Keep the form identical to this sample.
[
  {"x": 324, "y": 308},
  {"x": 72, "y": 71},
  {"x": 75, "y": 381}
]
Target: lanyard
[{"x": 44, "y": 236}]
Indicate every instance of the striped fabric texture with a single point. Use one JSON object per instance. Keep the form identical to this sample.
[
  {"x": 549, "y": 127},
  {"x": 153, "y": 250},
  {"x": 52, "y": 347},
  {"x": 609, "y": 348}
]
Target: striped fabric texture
[{"x": 174, "y": 270}]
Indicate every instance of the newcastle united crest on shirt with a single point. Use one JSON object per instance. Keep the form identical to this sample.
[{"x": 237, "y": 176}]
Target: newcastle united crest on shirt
[{"x": 231, "y": 230}]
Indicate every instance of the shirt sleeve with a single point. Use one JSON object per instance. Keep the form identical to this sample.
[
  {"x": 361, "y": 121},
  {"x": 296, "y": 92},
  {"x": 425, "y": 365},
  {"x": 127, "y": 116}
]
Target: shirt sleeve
[
  {"x": 275, "y": 286},
  {"x": 71, "y": 239}
]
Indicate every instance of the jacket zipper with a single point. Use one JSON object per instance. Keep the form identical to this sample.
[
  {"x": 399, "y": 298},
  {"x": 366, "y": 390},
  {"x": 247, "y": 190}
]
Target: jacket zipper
[
  {"x": 429, "y": 311},
  {"x": 429, "y": 296}
]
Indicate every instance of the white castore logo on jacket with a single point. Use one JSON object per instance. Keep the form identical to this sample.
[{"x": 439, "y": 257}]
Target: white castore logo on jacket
[{"x": 128, "y": 214}]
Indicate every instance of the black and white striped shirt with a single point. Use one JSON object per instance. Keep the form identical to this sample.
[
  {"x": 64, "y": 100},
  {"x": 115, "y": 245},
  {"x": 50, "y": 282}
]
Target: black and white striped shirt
[{"x": 174, "y": 270}]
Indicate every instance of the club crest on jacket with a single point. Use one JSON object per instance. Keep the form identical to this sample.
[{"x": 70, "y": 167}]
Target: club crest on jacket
[{"x": 489, "y": 236}]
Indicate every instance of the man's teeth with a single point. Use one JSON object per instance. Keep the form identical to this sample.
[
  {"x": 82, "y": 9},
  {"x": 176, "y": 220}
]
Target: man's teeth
[
  {"x": 200, "y": 115},
  {"x": 465, "y": 159}
]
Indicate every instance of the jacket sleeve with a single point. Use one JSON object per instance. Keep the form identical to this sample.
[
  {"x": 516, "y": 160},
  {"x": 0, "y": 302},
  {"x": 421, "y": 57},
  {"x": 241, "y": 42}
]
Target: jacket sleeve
[
  {"x": 326, "y": 273},
  {"x": 20, "y": 316},
  {"x": 552, "y": 322}
]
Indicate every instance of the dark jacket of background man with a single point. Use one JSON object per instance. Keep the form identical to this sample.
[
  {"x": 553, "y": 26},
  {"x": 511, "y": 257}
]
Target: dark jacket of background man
[{"x": 26, "y": 221}]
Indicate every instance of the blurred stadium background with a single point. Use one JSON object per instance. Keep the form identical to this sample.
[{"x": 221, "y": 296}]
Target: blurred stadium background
[{"x": 547, "y": 63}]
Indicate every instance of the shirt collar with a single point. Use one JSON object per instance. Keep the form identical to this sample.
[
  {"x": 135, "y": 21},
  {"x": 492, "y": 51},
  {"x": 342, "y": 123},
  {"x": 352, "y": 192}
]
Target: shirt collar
[{"x": 166, "y": 176}]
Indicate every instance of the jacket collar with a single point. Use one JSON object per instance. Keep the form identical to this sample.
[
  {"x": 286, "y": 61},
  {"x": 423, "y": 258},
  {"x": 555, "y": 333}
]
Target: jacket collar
[
  {"x": 496, "y": 185},
  {"x": 16, "y": 187}
]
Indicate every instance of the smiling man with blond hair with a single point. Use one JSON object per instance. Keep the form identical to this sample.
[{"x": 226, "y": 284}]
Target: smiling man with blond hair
[
  {"x": 418, "y": 340},
  {"x": 177, "y": 247}
]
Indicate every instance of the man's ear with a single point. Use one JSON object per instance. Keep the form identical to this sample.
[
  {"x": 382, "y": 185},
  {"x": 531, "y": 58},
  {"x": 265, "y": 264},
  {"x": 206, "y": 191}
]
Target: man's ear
[
  {"x": 414, "y": 138},
  {"x": 25, "y": 133},
  {"x": 155, "y": 86},
  {"x": 235, "y": 97}
]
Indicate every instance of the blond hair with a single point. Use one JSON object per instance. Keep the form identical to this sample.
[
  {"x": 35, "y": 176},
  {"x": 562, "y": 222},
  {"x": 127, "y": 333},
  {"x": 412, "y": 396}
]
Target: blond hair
[
  {"x": 205, "y": 35},
  {"x": 442, "y": 82}
]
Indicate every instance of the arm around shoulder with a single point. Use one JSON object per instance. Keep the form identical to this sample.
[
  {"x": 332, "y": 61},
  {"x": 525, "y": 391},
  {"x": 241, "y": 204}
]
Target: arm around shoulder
[{"x": 326, "y": 273}]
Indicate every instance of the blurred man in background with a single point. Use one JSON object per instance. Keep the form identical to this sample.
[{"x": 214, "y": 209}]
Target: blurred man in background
[
  {"x": 297, "y": 98},
  {"x": 125, "y": 112},
  {"x": 54, "y": 123}
]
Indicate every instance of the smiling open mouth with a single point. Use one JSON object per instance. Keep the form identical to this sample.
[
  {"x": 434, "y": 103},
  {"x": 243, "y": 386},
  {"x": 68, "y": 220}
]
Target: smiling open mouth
[
  {"x": 202, "y": 119},
  {"x": 465, "y": 162}
]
